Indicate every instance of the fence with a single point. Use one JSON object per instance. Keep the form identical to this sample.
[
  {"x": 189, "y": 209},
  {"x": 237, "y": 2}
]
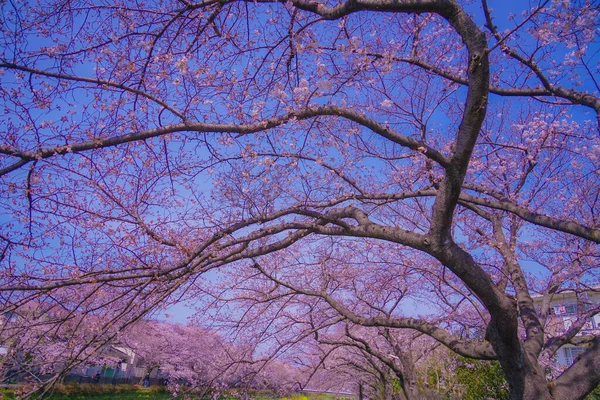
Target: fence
[
  {"x": 74, "y": 378},
  {"x": 132, "y": 380}
]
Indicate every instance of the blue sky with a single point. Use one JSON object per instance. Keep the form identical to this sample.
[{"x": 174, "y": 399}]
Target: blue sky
[{"x": 501, "y": 11}]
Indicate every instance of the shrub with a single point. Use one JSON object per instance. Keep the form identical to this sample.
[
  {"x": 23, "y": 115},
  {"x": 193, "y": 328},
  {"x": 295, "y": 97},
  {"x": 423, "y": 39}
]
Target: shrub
[
  {"x": 481, "y": 380},
  {"x": 595, "y": 395}
]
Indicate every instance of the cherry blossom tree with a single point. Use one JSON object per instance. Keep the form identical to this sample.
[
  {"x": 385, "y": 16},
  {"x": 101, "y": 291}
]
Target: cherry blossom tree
[
  {"x": 197, "y": 359},
  {"x": 44, "y": 340},
  {"x": 335, "y": 154},
  {"x": 187, "y": 354},
  {"x": 387, "y": 357},
  {"x": 308, "y": 303}
]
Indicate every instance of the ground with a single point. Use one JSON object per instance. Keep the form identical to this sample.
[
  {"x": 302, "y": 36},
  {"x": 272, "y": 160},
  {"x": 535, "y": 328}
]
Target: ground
[{"x": 134, "y": 392}]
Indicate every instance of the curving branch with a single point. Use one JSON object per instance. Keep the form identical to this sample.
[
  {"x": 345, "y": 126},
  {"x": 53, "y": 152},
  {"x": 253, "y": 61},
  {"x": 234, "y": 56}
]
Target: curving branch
[
  {"x": 555, "y": 343},
  {"x": 241, "y": 129},
  {"x": 573, "y": 96},
  {"x": 546, "y": 221},
  {"x": 577, "y": 381},
  {"x": 481, "y": 350},
  {"x": 99, "y": 82}
]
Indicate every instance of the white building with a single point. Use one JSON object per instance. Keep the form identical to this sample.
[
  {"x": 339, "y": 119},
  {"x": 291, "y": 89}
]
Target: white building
[{"x": 564, "y": 311}]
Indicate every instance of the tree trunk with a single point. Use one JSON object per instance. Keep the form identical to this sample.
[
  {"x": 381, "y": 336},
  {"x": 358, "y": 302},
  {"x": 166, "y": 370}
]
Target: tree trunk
[
  {"x": 526, "y": 379},
  {"x": 411, "y": 383},
  {"x": 412, "y": 392},
  {"x": 388, "y": 390}
]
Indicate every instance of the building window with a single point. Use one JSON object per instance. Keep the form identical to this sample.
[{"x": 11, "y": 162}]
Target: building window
[
  {"x": 10, "y": 317},
  {"x": 571, "y": 309},
  {"x": 572, "y": 352},
  {"x": 589, "y": 325}
]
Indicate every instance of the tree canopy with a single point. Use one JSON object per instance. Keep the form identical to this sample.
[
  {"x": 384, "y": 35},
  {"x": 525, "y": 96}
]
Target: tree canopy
[{"x": 293, "y": 166}]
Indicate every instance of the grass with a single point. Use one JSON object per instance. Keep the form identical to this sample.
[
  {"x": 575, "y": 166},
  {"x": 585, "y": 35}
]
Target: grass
[
  {"x": 75, "y": 391},
  {"x": 97, "y": 392},
  {"x": 138, "y": 395}
]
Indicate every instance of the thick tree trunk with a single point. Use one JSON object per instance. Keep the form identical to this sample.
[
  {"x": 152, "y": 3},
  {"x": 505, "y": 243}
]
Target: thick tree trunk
[
  {"x": 526, "y": 379},
  {"x": 412, "y": 392},
  {"x": 388, "y": 391},
  {"x": 410, "y": 386}
]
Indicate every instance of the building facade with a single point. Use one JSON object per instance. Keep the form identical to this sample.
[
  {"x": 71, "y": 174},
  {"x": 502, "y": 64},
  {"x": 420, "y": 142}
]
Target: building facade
[{"x": 565, "y": 308}]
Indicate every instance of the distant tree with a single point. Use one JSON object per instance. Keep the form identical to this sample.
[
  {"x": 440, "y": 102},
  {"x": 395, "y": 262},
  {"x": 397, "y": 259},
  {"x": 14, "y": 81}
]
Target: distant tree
[
  {"x": 46, "y": 340},
  {"x": 188, "y": 355},
  {"x": 198, "y": 359},
  {"x": 334, "y": 155},
  {"x": 385, "y": 359}
]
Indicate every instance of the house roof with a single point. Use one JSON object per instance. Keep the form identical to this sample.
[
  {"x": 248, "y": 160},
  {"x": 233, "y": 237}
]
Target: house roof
[{"x": 595, "y": 289}]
